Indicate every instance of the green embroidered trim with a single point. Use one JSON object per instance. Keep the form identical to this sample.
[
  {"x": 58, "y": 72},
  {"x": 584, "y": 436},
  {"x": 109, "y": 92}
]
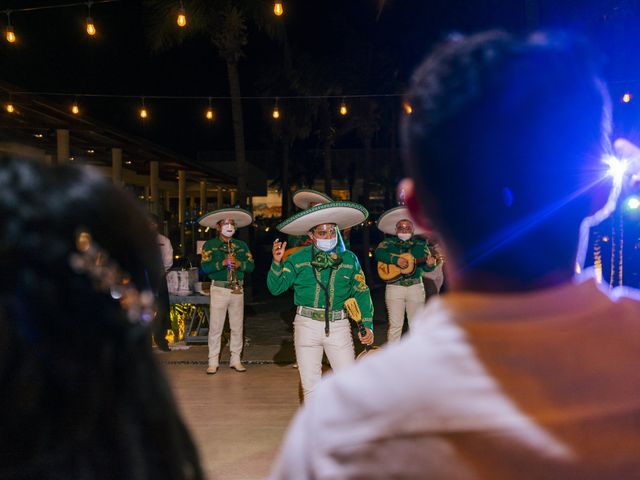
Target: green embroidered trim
[
  {"x": 278, "y": 273},
  {"x": 332, "y": 283},
  {"x": 321, "y": 207},
  {"x": 317, "y": 297},
  {"x": 303, "y": 264}
]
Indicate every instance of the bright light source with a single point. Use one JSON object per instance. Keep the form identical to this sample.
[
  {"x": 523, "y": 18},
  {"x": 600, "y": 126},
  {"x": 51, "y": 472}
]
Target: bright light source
[
  {"x": 209, "y": 114},
  {"x": 278, "y": 8},
  {"x": 343, "y": 109},
  {"x": 276, "y": 113},
  {"x": 633, "y": 203},
  {"x": 9, "y": 107},
  {"x": 91, "y": 27},
  {"x": 626, "y": 98},
  {"x": 143, "y": 113},
  {"x": 75, "y": 109},
  {"x": 617, "y": 168},
  {"x": 182, "y": 16},
  {"x": 407, "y": 108},
  {"x": 10, "y": 35}
]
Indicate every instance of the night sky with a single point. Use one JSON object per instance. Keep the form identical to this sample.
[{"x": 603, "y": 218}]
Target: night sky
[{"x": 342, "y": 43}]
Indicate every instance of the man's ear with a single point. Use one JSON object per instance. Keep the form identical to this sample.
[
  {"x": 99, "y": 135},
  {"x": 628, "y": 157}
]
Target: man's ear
[{"x": 406, "y": 190}]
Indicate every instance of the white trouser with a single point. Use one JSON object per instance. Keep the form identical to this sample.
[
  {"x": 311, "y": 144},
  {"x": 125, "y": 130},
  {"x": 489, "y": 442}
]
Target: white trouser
[
  {"x": 400, "y": 299},
  {"x": 310, "y": 341},
  {"x": 222, "y": 300}
]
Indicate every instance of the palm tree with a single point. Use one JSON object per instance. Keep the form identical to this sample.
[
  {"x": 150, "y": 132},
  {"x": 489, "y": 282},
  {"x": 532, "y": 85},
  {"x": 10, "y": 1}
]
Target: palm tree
[{"x": 223, "y": 23}]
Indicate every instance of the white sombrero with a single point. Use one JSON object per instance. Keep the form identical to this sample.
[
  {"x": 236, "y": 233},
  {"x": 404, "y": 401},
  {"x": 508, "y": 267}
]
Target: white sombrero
[
  {"x": 389, "y": 219},
  {"x": 305, "y": 197},
  {"x": 238, "y": 215},
  {"x": 343, "y": 214}
]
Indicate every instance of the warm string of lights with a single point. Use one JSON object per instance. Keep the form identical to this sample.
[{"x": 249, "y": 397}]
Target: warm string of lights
[
  {"x": 90, "y": 26},
  {"x": 209, "y": 111}
]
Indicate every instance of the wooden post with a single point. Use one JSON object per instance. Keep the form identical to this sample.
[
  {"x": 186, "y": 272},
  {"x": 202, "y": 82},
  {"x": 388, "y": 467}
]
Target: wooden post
[{"x": 63, "y": 146}]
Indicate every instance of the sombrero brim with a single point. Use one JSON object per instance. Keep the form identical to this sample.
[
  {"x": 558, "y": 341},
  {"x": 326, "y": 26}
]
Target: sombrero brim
[
  {"x": 238, "y": 215},
  {"x": 343, "y": 214},
  {"x": 304, "y": 198},
  {"x": 389, "y": 219}
]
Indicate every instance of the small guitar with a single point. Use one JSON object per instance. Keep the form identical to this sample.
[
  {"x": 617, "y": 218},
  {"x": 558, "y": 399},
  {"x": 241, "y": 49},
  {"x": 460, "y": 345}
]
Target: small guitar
[{"x": 389, "y": 272}]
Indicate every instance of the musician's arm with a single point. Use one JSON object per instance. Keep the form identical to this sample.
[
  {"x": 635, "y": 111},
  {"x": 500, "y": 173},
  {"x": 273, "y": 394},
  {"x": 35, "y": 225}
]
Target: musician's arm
[
  {"x": 426, "y": 253},
  {"x": 281, "y": 277},
  {"x": 383, "y": 255},
  {"x": 212, "y": 259},
  {"x": 245, "y": 259}
]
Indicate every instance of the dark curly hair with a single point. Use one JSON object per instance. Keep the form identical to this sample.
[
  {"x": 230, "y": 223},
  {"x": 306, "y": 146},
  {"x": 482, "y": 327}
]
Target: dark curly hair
[
  {"x": 503, "y": 127},
  {"x": 82, "y": 396}
]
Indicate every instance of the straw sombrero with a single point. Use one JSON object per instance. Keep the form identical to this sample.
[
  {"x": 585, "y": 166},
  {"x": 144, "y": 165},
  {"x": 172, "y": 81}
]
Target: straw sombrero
[
  {"x": 389, "y": 219},
  {"x": 240, "y": 216},
  {"x": 343, "y": 214},
  {"x": 305, "y": 197}
]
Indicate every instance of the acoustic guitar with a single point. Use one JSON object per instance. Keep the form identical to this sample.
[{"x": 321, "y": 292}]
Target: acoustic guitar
[{"x": 389, "y": 272}]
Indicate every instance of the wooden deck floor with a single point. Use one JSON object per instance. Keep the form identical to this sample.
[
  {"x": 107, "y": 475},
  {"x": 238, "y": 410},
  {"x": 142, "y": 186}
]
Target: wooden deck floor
[{"x": 237, "y": 419}]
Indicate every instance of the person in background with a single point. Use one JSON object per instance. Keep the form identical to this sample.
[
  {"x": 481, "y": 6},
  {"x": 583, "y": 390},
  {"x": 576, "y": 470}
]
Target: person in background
[
  {"x": 226, "y": 260},
  {"x": 402, "y": 258},
  {"x": 82, "y": 394},
  {"x": 162, "y": 322},
  {"x": 522, "y": 370}
]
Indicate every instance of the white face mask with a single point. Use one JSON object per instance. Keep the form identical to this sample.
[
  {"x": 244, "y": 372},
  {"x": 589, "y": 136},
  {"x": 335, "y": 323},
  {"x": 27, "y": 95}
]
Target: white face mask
[
  {"x": 228, "y": 230},
  {"x": 326, "y": 244},
  {"x": 404, "y": 236}
]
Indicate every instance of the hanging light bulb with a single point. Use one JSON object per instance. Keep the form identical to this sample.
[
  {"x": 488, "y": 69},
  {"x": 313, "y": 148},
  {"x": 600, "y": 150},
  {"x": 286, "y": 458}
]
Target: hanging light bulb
[
  {"x": 278, "y": 8},
  {"x": 10, "y": 34},
  {"x": 407, "y": 108},
  {"x": 182, "y": 16},
  {"x": 91, "y": 27},
  {"x": 75, "y": 109},
  {"x": 626, "y": 98},
  {"x": 209, "y": 115},
  {"x": 143, "y": 111},
  {"x": 343, "y": 109},
  {"x": 276, "y": 112},
  {"x": 9, "y": 107}
]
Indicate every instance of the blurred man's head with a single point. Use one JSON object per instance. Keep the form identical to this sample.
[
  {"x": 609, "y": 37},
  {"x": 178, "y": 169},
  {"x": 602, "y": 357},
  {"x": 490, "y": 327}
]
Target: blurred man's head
[{"x": 503, "y": 129}]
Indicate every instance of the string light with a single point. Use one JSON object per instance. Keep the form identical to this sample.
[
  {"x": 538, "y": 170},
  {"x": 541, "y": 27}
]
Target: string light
[
  {"x": 407, "y": 108},
  {"x": 10, "y": 34},
  {"x": 343, "y": 108},
  {"x": 182, "y": 16},
  {"x": 626, "y": 98},
  {"x": 278, "y": 8},
  {"x": 75, "y": 109},
  {"x": 209, "y": 114},
  {"x": 276, "y": 112},
  {"x": 9, "y": 107},
  {"x": 91, "y": 27},
  {"x": 143, "y": 111}
]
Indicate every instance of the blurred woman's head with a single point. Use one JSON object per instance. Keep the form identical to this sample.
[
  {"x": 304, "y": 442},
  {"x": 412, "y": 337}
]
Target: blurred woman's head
[{"x": 81, "y": 394}]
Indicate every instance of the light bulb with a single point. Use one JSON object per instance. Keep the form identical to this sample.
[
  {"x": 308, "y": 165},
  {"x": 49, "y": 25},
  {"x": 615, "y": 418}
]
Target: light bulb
[
  {"x": 407, "y": 108},
  {"x": 143, "y": 113},
  {"x": 343, "y": 109},
  {"x": 91, "y": 28},
  {"x": 10, "y": 108},
  {"x": 626, "y": 98},
  {"x": 209, "y": 113},
  {"x": 278, "y": 8},
  {"x": 75, "y": 109},
  {"x": 182, "y": 17},
  {"x": 10, "y": 34},
  {"x": 276, "y": 113}
]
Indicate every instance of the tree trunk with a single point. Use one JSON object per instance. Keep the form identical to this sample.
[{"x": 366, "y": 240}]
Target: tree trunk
[
  {"x": 238, "y": 132},
  {"x": 327, "y": 156},
  {"x": 286, "y": 189}
]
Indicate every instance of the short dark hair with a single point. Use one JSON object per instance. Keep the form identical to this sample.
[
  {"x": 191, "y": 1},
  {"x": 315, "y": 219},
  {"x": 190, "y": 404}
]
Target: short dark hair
[{"x": 501, "y": 127}]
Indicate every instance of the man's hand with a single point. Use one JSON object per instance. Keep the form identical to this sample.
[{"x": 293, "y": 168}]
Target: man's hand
[
  {"x": 403, "y": 262},
  {"x": 431, "y": 261},
  {"x": 231, "y": 262},
  {"x": 366, "y": 339},
  {"x": 278, "y": 250}
]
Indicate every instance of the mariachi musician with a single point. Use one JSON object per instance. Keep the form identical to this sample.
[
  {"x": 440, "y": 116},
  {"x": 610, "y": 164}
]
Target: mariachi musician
[
  {"x": 402, "y": 259},
  {"x": 226, "y": 260}
]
